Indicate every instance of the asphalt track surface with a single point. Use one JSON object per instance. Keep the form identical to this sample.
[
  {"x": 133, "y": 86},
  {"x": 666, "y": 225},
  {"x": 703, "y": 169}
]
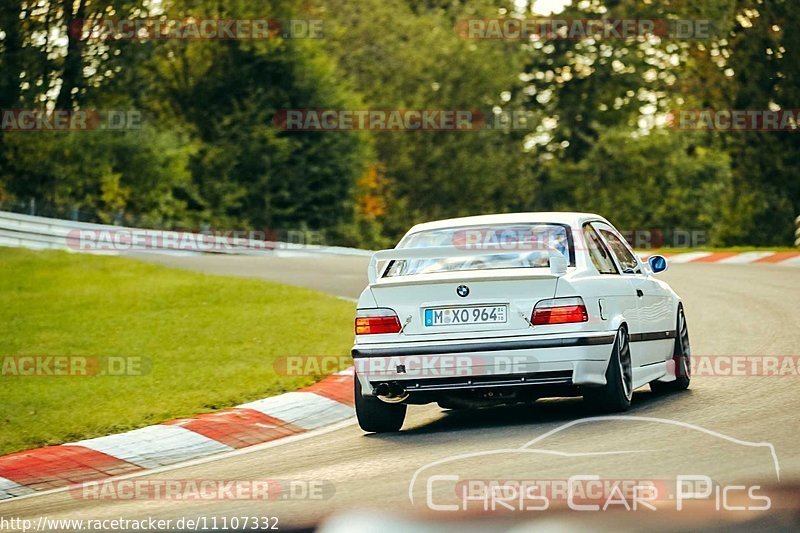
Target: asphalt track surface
[{"x": 730, "y": 309}]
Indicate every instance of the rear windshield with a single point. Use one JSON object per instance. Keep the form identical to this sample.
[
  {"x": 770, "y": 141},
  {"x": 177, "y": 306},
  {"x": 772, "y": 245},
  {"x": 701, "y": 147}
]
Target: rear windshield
[{"x": 518, "y": 246}]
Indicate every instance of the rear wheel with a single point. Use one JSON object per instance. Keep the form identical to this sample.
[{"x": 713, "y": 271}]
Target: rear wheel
[
  {"x": 682, "y": 354},
  {"x": 616, "y": 394},
  {"x": 376, "y": 416}
]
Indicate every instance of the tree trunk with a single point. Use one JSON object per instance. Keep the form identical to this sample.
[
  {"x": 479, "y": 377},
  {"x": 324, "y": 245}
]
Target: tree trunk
[{"x": 72, "y": 76}]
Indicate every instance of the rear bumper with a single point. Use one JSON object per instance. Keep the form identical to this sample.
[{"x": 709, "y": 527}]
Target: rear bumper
[{"x": 577, "y": 359}]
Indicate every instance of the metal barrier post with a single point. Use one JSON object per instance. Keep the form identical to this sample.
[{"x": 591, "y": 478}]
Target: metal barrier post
[{"x": 797, "y": 232}]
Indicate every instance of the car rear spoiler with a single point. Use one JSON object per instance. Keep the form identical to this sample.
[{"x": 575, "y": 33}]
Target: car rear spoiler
[{"x": 558, "y": 263}]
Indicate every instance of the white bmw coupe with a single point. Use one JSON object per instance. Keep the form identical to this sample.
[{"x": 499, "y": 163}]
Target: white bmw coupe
[{"x": 502, "y": 309}]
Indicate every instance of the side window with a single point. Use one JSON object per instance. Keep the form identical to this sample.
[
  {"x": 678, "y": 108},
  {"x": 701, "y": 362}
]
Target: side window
[
  {"x": 626, "y": 259},
  {"x": 601, "y": 258}
]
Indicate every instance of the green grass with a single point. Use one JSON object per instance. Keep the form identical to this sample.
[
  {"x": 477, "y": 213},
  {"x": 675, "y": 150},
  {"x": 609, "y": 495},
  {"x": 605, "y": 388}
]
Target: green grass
[{"x": 209, "y": 342}]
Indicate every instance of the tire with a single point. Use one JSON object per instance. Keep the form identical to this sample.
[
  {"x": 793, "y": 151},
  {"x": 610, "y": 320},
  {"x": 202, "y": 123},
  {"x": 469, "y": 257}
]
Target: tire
[
  {"x": 615, "y": 396},
  {"x": 376, "y": 416},
  {"x": 681, "y": 355}
]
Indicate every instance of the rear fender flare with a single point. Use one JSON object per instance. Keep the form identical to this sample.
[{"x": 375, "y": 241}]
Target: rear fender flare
[{"x": 367, "y": 300}]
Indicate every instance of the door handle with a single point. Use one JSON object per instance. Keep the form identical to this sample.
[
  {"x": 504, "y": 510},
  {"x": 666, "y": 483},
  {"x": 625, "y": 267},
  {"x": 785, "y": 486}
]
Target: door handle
[{"x": 639, "y": 293}]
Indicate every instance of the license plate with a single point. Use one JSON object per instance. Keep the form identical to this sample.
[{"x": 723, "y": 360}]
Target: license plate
[{"x": 479, "y": 314}]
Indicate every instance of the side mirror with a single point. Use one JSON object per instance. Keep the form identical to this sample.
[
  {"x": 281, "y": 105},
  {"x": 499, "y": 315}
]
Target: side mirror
[
  {"x": 558, "y": 264},
  {"x": 658, "y": 263}
]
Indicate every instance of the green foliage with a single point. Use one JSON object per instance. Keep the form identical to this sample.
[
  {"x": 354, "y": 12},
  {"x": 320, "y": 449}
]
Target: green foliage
[
  {"x": 763, "y": 58},
  {"x": 618, "y": 177},
  {"x": 409, "y": 56},
  {"x": 737, "y": 186},
  {"x": 210, "y": 153},
  {"x": 103, "y": 173}
]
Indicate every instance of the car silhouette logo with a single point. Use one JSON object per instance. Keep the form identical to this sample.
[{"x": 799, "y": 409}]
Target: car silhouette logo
[{"x": 462, "y": 291}]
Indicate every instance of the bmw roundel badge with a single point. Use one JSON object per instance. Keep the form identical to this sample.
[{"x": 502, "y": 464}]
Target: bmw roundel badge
[{"x": 462, "y": 291}]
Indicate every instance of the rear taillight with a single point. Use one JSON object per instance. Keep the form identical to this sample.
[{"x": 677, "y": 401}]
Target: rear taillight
[
  {"x": 373, "y": 321},
  {"x": 559, "y": 311}
]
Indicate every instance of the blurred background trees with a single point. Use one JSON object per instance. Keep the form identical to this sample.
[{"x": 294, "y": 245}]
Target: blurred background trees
[{"x": 209, "y": 153}]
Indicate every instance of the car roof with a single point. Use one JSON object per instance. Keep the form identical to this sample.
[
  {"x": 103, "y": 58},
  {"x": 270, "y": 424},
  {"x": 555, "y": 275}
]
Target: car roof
[{"x": 556, "y": 217}]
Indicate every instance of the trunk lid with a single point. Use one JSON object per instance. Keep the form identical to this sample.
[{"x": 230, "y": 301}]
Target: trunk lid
[{"x": 515, "y": 290}]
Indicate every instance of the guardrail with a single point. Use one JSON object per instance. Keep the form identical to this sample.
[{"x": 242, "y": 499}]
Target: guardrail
[{"x": 26, "y": 231}]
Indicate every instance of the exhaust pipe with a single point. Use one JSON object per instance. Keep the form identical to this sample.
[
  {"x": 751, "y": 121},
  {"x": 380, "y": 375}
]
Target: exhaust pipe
[
  {"x": 395, "y": 389},
  {"x": 391, "y": 392}
]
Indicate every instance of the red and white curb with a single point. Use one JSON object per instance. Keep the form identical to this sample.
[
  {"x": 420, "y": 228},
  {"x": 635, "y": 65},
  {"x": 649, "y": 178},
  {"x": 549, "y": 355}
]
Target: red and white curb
[
  {"x": 178, "y": 441},
  {"x": 740, "y": 258}
]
